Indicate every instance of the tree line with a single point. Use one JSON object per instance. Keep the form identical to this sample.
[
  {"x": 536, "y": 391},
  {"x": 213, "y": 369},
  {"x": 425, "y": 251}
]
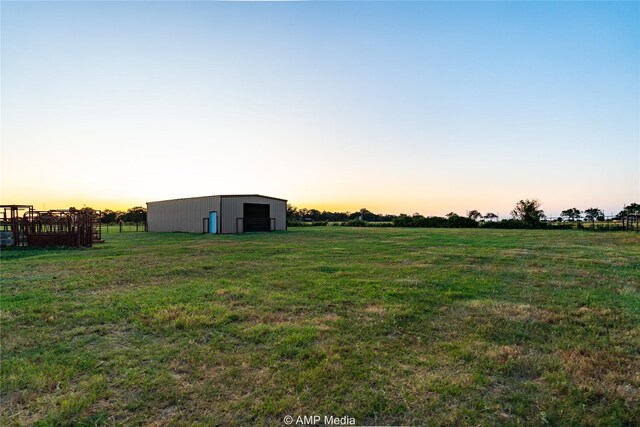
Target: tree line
[
  {"x": 527, "y": 213},
  {"x": 314, "y": 215},
  {"x": 135, "y": 214}
]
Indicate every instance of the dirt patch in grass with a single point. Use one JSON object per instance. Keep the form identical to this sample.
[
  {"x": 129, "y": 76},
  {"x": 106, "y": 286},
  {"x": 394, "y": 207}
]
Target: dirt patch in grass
[
  {"x": 518, "y": 252},
  {"x": 375, "y": 309},
  {"x": 515, "y": 311},
  {"x": 605, "y": 373},
  {"x": 326, "y": 322},
  {"x": 181, "y": 316},
  {"x": 503, "y": 353},
  {"x": 276, "y": 317}
]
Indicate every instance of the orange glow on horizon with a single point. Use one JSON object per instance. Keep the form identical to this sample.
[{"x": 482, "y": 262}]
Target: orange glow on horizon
[
  {"x": 432, "y": 206},
  {"x": 60, "y": 203}
]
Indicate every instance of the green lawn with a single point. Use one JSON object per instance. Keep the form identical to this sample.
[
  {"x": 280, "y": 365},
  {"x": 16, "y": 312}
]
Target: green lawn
[{"x": 386, "y": 325}]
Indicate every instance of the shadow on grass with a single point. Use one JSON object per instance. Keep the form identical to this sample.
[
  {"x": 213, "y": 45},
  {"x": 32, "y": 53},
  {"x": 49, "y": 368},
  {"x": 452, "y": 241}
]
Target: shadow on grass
[{"x": 12, "y": 253}]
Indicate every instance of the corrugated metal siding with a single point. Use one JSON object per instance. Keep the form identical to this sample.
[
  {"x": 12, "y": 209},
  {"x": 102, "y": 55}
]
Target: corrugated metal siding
[
  {"x": 232, "y": 207},
  {"x": 182, "y": 214}
]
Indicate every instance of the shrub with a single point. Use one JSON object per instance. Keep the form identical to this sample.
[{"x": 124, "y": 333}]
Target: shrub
[
  {"x": 453, "y": 221},
  {"x": 354, "y": 223},
  {"x": 436, "y": 222},
  {"x": 402, "y": 221},
  {"x": 456, "y": 221},
  {"x": 528, "y": 211}
]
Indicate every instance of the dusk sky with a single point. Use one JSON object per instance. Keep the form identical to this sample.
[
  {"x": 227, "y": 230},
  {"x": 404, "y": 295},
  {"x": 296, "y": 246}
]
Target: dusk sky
[{"x": 396, "y": 107}]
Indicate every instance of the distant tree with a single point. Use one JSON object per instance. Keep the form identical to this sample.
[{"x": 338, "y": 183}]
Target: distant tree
[
  {"x": 593, "y": 214},
  {"x": 295, "y": 214},
  {"x": 474, "y": 215},
  {"x": 457, "y": 221},
  {"x": 338, "y": 216},
  {"x": 367, "y": 215},
  {"x": 292, "y": 213},
  {"x": 417, "y": 220},
  {"x": 386, "y": 217},
  {"x": 403, "y": 220},
  {"x": 451, "y": 214},
  {"x": 135, "y": 214},
  {"x": 120, "y": 215},
  {"x": 305, "y": 214},
  {"x": 632, "y": 208},
  {"x": 86, "y": 209},
  {"x": 490, "y": 216},
  {"x": 528, "y": 211},
  {"x": 108, "y": 216},
  {"x": 313, "y": 214},
  {"x": 571, "y": 214}
]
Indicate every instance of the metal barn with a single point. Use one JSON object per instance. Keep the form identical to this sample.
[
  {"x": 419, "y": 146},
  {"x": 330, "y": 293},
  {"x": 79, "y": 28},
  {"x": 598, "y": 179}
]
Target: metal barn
[{"x": 218, "y": 214}]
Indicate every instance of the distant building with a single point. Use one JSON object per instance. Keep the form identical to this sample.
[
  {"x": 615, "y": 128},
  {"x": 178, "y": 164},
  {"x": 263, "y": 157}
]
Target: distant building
[{"x": 224, "y": 214}]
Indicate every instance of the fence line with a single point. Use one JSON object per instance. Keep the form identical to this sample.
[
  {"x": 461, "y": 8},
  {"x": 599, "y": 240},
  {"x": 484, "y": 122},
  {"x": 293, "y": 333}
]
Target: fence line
[
  {"x": 122, "y": 227},
  {"x": 609, "y": 222}
]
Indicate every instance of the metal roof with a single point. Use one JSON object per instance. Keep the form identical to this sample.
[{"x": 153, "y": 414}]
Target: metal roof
[{"x": 222, "y": 195}]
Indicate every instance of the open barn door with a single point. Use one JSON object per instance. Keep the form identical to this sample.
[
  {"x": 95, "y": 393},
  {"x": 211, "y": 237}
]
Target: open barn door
[{"x": 257, "y": 217}]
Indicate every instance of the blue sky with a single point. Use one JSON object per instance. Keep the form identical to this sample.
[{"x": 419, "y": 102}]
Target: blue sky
[{"x": 394, "y": 106}]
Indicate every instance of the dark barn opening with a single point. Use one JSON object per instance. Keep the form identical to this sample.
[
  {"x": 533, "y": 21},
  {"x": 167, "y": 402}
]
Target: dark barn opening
[{"x": 256, "y": 217}]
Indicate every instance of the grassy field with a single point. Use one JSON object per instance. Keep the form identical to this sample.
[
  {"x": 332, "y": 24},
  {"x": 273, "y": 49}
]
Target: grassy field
[{"x": 386, "y": 325}]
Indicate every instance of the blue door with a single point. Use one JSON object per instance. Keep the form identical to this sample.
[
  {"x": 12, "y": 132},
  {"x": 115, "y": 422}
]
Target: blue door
[{"x": 213, "y": 222}]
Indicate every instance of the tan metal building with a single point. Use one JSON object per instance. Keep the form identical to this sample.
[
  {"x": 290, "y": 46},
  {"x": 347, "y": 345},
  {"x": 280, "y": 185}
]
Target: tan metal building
[{"x": 218, "y": 214}]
